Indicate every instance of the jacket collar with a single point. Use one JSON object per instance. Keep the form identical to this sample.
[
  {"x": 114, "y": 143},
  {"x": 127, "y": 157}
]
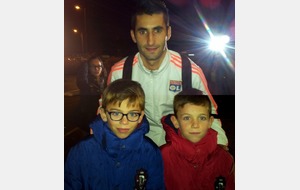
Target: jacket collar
[
  {"x": 111, "y": 143},
  {"x": 195, "y": 153}
]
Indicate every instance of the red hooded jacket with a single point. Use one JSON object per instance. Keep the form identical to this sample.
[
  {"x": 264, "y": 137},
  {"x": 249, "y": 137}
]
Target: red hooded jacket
[{"x": 189, "y": 166}]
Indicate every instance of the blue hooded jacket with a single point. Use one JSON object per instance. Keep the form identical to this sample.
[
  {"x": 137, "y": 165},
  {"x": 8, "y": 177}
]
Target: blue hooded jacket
[{"x": 104, "y": 161}]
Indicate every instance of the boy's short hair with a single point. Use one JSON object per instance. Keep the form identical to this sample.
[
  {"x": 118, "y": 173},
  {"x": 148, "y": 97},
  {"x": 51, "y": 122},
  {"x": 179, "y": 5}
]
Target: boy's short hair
[
  {"x": 149, "y": 7},
  {"x": 122, "y": 89},
  {"x": 193, "y": 96}
]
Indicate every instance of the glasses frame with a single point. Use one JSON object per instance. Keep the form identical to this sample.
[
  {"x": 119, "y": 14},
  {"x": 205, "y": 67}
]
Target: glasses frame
[
  {"x": 110, "y": 112},
  {"x": 98, "y": 66}
]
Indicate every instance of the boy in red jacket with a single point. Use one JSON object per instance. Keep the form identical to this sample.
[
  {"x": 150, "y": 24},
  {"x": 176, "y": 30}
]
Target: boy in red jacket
[{"x": 192, "y": 158}]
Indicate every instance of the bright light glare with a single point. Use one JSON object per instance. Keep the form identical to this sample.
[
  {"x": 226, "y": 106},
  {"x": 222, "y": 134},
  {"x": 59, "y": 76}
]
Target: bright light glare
[
  {"x": 218, "y": 43},
  {"x": 77, "y": 7}
]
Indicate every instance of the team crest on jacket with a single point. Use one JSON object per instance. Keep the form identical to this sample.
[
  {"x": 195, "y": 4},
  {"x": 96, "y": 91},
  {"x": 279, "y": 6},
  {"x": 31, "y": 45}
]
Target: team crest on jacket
[{"x": 175, "y": 86}]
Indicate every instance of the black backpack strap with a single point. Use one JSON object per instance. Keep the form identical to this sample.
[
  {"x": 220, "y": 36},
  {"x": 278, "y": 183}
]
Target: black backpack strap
[
  {"x": 186, "y": 72},
  {"x": 127, "y": 70}
]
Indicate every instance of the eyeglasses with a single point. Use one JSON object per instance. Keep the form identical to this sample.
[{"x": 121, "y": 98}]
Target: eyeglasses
[
  {"x": 97, "y": 67},
  {"x": 117, "y": 116}
]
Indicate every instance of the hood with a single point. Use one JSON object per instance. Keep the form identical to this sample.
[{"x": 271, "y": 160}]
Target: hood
[
  {"x": 109, "y": 141},
  {"x": 169, "y": 127},
  {"x": 195, "y": 153}
]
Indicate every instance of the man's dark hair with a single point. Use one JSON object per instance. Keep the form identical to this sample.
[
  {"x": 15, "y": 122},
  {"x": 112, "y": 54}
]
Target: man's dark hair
[{"x": 149, "y": 7}]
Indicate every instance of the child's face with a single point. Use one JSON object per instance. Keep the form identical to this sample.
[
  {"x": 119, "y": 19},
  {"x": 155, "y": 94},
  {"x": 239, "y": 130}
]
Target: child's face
[
  {"x": 193, "y": 121},
  {"x": 122, "y": 128}
]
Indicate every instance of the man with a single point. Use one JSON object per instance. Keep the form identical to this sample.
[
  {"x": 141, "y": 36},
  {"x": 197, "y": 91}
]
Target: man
[{"x": 158, "y": 69}]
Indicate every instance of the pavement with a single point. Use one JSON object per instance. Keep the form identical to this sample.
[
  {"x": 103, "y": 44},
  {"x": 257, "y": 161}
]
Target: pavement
[{"x": 72, "y": 131}]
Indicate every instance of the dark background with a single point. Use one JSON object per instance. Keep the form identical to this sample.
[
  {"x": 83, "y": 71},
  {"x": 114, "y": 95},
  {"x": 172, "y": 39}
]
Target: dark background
[
  {"x": 108, "y": 34},
  {"x": 108, "y": 24}
]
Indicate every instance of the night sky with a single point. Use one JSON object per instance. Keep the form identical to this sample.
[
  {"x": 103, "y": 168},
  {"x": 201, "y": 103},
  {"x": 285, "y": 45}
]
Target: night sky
[{"x": 108, "y": 24}]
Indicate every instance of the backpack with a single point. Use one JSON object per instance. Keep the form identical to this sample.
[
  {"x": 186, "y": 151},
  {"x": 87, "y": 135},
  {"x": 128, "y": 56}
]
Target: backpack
[{"x": 186, "y": 70}]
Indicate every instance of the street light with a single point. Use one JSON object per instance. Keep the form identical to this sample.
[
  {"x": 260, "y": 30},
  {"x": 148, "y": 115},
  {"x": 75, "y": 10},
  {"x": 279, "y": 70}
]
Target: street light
[
  {"x": 218, "y": 43},
  {"x": 81, "y": 37},
  {"x": 77, "y": 7}
]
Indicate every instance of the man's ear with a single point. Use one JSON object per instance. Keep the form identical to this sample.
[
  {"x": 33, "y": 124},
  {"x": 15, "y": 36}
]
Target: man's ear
[
  {"x": 103, "y": 115},
  {"x": 169, "y": 32},
  {"x": 175, "y": 122},
  {"x": 132, "y": 36}
]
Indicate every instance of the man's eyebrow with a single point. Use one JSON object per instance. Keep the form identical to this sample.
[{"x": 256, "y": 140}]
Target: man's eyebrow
[
  {"x": 158, "y": 27},
  {"x": 141, "y": 28},
  {"x": 154, "y": 28}
]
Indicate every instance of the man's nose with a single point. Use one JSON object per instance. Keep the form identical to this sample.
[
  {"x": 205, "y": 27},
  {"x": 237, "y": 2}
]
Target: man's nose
[{"x": 150, "y": 39}]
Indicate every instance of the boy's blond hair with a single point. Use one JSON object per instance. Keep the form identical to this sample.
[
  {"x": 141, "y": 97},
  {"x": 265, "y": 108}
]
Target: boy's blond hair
[{"x": 122, "y": 89}]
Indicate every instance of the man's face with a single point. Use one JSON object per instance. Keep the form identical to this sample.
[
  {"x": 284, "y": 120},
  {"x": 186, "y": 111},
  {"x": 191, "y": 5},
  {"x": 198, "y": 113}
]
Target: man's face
[
  {"x": 122, "y": 128},
  {"x": 151, "y": 35},
  {"x": 95, "y": 67},
  {"x": 193, "y": 121}
]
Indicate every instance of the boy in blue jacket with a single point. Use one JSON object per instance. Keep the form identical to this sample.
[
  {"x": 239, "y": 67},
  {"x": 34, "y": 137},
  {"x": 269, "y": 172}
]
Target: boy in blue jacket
[{"x": 118, "y": 155}]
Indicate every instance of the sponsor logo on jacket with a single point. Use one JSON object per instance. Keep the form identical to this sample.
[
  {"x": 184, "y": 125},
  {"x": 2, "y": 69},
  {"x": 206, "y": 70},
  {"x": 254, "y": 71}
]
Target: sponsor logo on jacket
[{"x": 175, "y": 86}]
